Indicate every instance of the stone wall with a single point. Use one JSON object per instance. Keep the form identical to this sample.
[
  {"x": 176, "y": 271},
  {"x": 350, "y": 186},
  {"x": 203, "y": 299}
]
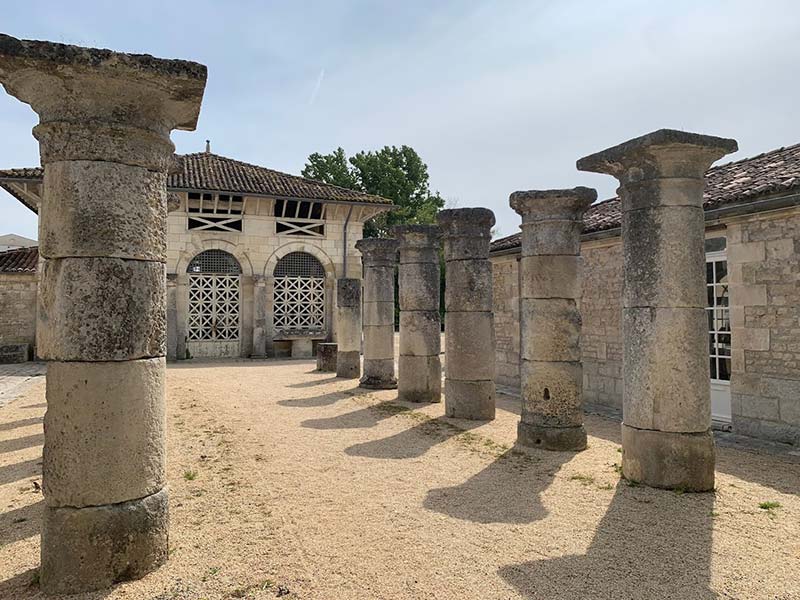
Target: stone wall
[
  {"x": 764, "y": 267},
  {"x": 18, "y": 308}
]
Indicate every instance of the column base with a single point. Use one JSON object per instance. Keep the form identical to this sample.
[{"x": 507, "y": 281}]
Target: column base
[
  {"x": 378, "y": 383},
  {"x": 420, "y": 379},
  {"x": 348, "y": 364},
  {"x": 569, "y": 439},
  {"x": 670, "y": 460},
  {"x": 86, "y": 549},
  {"x": 472, "y": 400}
]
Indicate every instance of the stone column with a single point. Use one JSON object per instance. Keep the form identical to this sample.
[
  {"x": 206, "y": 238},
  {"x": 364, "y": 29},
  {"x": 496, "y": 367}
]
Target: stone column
[
  {"x": 348, "y": 328},
  {"x": 469, "y": 391},
  {"x": 172, "y": 316},
  {"x": 419, "y": 367},
  {"x": 551, "y": 375},
  {"x": 104, "y": 124},
  {"x": 666, "y": 434},
  {"x": 379, "y": 257},
  {"x": 259, "y": 317}
]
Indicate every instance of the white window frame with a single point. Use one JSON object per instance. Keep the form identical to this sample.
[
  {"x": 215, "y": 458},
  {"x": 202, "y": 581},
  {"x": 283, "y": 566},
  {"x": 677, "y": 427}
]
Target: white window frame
[{"x": 714, "y": 257}]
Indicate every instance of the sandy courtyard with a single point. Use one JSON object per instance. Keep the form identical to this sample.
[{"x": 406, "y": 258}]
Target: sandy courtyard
[{"x": 289, "y": 483}]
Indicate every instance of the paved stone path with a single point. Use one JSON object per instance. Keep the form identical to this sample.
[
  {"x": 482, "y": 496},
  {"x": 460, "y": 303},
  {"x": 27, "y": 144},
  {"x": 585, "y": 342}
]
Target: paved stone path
[{"x": 14, "y": 378}]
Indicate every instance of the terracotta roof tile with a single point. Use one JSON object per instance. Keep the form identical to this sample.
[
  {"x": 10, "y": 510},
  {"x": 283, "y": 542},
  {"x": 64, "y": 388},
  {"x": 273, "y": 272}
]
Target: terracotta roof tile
[{"x": 19, "y": 260}]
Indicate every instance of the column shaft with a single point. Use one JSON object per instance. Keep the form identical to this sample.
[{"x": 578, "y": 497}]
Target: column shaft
[{"x": 348, "y": 328}]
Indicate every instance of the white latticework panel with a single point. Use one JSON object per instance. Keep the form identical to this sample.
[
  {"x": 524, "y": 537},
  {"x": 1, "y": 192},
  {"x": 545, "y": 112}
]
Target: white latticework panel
[
  {"x": 214, "y": 305},
  {"x": 299, "y": 305}
]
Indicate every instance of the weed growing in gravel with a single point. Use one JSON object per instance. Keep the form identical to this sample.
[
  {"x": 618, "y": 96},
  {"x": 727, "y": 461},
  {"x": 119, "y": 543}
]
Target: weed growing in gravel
[
  {"x": 584, "y": 479},
  {"x": 190, "y": 475},
  {"x": 769, "y": 506}
]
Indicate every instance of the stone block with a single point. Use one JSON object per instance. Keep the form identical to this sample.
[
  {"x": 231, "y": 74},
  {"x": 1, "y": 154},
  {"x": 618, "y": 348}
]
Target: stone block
[
  {"x": 552, "y": 238},
  {"x": 302, "y": 348},
  {"x": 348, "y": 293},
  {"x": 563, "y": 439},
  {"x": 379, "y": 342},
  {"x": 420, "y": 333},
  {"x": 419, "y": 379},
  {"x": 759, "y": 407},
  {"x": 348, "y": 328},
  {"x": 85, "y": 549},
  {"x": 748, "y": 294},
  {"x": 746, "y": 252},
  {"x": 348, "y": 364},
  {"x": 551, "y": 330},
  {"x": 469, "y": 285},
  {"x": 473, "y": 400},
  {"x": 378, "y": 374},
  {"x": 14, "y": 353},
  {"x": 103, "y": 209},
  {"x": 418, "y": 286},
  {"x": 550, "y": 277},
  {"x": 551, "y": 393},
  {"x": 469, "y": 346},
  {"x": 783, "y": 389},
  {"x": 670, "y": 460},
  {"x": 664, "y": 257},
  {"x": 379, "y": 284},
  {"x": 378, "y": 313},
  {"x": 101, "y": 309},
  {"x": 105, "y": 430},
  {"x": 326, "y": 357},
  {"x": 666, "y": 378}
]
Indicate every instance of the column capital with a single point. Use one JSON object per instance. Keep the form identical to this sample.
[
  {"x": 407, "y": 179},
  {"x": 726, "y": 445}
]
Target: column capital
[
  {"x": 378, "y": 251},
  {"x": 465, "y": 221},
  {"x": 552, "y": 205},
  {"x": 660, "y": 154},
  {"x": 102, "y": 105},
  {"x": 417, "y": 236}
]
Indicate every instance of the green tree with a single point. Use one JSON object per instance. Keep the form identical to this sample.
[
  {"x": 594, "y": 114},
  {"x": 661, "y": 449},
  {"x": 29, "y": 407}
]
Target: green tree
[{"x": 391, "y": 172}]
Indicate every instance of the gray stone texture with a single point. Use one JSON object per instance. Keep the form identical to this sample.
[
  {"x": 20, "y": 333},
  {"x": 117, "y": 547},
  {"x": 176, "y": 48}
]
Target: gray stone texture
[
  {"x": 550, "y": 322},
  {"x": 419, "y": 366},
  {"x": 104, "y": 125},
  {"x": 348, "y": 328},
  {"x": 469, "y": 323},
  {"x": 666, "y": 399},
  {"x": 326, "y": 357},
  {"x": 348, "y": 364}
]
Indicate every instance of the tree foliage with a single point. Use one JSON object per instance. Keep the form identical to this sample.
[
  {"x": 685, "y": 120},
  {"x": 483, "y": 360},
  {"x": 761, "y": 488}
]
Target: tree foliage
[{"x": 391, "y": 172}]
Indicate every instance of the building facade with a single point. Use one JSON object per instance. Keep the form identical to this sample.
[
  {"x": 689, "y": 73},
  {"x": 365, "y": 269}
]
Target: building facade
[
  {"x": 252, "y": 258},
  {"x": 753, "y": 281}
]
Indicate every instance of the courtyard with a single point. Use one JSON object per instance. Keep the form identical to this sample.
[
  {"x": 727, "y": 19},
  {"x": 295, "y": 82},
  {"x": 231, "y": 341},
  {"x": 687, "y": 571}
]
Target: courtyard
[{"x": 286, "y": 482}]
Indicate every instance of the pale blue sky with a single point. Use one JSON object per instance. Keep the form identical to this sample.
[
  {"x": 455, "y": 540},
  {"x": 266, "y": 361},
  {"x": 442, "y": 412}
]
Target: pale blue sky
[{"x": 496, "y": 96}]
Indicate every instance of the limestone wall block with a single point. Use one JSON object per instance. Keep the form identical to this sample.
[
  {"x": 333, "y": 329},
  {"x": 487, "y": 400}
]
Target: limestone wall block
[
  {"x": 470, "y": 399},
  {"x": 379, "y": 373},
  {"x": 348, "y": 329},
  {"x": 348, "y": 292},
  {"x": 379, "y": 284},
  {"x": 672, "y": 192},
  {"x": 552, "y": 276},
  {"x": 378, "y": 313},
  {"x": 348, "y": 364},
  {"x": 666, "y": 379},
  {"x": 419, "y": 378},
  {"x": 101, "y": 309},
  {"x": 103, "y": 209},
  {"x": 420, "y": 333},
  {"x": 551, "y": 393},
  {"x": 105, "y": 426},
  {"x": 419, "y": 286},
  {"x": 553, "y": 330},
  {"x": 469, "y": 343},
  {"x": 556, "y": 237},
  {"x": 469, "y": 285},
  {"x": 664, "y": 257},
  {"x": 379, "y": 342}
]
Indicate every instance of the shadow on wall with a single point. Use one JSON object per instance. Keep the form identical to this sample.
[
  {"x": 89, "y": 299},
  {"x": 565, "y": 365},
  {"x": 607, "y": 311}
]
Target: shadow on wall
[{"x": 640, "y": 551}]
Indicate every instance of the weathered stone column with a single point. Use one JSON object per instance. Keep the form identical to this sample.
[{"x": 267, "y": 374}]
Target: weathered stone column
[
  {"x": 379, "y": 257},
  {"x": 550, "y": 289},
  {"x": 104, "y": 127},
  {"x": 259, "y": 317},
  {"x": 419, "y": 367},
  {"x": 469, "y": 391},
  {"x": 348, "y": 328},
  {"x": 666, "y": 435},
  {"x": 172, "y": 316}
]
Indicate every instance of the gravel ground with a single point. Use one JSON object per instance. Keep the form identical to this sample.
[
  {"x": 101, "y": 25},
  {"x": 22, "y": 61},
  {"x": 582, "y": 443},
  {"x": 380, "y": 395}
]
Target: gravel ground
[{"x": 286, "y": 482}]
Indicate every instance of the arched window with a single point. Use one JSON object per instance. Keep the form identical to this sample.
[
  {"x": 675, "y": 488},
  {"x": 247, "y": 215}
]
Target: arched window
[
  {"x": 299, "y": 301},
  {"x": 214, "y": 300}
]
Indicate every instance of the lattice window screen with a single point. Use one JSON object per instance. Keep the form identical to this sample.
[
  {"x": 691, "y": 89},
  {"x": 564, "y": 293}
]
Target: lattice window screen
[
  {"x": 214, "y": 297},
  {"x": 299, "y": 306},
  {"x": 215, "y": 261}
]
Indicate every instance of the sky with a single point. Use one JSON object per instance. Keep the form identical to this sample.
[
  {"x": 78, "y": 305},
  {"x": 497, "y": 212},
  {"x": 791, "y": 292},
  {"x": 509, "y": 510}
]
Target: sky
[{"x": 496, "y": 96}]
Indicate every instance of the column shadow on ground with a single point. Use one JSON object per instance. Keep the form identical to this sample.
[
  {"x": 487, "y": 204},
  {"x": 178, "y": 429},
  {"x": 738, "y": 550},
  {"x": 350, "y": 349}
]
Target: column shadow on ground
[
  {"x": 318, "y": 401},
  {"x": 21, "y": 523},
  {"x": 647, "y": 545},
  {"x": 507, "y": 491},
  {"x": 313, "y": 382},
  {"x": 21, "y": 470},
  {"x": 363, "y": 418},
  {"x": 21, "y": 443},
  {"x": 20, "y": 423}
]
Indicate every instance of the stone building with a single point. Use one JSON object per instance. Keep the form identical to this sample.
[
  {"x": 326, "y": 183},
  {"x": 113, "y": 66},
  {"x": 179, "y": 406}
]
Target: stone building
[
  {"x": 17, "y": 303},
  {"x": 252, "y": 258},
  {"x": 752, "y": 212}
]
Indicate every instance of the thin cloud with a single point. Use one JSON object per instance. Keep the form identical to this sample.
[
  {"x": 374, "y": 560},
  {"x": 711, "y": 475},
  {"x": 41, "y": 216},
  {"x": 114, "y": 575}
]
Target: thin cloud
[{"x": 318, "y": 85}]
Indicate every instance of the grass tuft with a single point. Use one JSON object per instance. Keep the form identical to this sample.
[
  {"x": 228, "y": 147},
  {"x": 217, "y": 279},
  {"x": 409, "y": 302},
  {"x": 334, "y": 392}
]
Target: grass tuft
[{"x": 190, "y": 475}]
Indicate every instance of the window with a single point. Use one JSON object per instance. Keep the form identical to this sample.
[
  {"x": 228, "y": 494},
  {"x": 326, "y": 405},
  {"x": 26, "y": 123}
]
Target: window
[
  {"x": 718, "y": 312},
  {"x": 299, "y": 301},
  {"x": 214, "y": 212},
  {"x": 214, "y": 297},
  {"x": 300, "y": 218}
]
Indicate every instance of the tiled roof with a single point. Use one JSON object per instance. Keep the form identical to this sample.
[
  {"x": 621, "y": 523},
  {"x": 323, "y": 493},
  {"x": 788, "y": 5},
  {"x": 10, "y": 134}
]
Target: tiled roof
[
  {"x": 732, "y": 183},
  {"x": 19, "y": 260},
  {"x": 206, "y": 171}
]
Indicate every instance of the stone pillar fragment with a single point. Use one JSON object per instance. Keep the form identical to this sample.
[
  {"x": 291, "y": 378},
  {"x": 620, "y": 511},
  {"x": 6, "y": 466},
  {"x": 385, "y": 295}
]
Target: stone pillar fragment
[
  {"x": 379, "y": 257},
  {"x": 348, "y": 328},
  {"x": 419, "y": 367},
  {"x": 550, "y": 322},
  {"x": 666, "y": 431},
  {"x": 104, "y": 124},
  {"x": 469, "y": 390},
  {"x": 260, "y": 300}
]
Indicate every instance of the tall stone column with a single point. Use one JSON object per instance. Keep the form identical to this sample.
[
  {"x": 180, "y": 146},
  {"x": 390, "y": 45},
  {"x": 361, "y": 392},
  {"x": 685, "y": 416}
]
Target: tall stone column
[
  {"x": 348, "y": 328},
  {"x": 419, "y": 368},
  {"x": 104, "y": 124},
  {"x": 259, "y": 317},
  {"x": 550, "y": 322},
  {"x": 172, "y": 316},
  {"x": 469, "y": 391},
  {"x": 666, "y": 432},
  {"x": 379, "y": 257}
]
